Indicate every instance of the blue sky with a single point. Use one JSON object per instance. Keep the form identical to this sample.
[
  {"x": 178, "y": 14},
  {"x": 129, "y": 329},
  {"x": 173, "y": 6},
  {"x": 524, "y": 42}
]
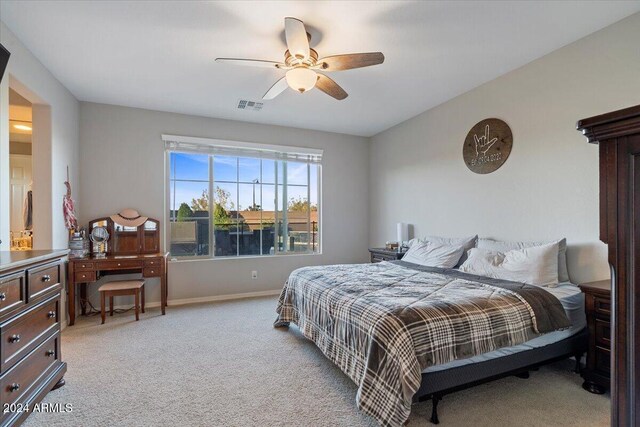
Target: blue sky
[{"x": 191, "y": 175}]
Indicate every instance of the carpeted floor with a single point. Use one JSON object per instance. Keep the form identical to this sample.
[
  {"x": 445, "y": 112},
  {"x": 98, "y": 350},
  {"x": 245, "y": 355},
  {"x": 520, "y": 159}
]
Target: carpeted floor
[{"x": 223, "y": 364}]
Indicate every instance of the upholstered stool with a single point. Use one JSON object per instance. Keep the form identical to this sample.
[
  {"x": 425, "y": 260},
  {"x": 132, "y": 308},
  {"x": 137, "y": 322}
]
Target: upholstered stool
[{"x": 122, "y": 287}]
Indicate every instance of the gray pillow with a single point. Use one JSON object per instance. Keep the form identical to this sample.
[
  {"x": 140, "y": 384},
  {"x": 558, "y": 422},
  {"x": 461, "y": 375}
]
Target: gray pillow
[
  {"x": 466, "y": 242},
  {"x": 498, "y": 246}
]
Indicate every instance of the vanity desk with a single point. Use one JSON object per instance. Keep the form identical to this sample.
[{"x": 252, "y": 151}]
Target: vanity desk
[
  {"x": 130, "y": 250},
  {"x": 88, "y": 270}
]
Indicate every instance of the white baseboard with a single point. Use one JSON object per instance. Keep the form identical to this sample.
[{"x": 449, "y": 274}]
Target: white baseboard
[
  {"x": 220, "y": 298},
  {"x": 214, "y": 298}
]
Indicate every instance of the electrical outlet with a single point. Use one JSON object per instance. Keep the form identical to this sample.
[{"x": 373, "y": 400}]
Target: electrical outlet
[{"x": 254, "y": 274}]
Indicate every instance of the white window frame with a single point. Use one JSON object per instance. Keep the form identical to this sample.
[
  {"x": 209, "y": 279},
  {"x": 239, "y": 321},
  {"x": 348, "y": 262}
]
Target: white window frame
[{"x": 203, "y": 145}]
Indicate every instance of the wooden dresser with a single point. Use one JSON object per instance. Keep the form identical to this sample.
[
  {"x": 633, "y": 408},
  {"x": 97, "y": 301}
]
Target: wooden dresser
[
  {"x": 597, "y": 374},
  {"x": 31, "y": 365}
]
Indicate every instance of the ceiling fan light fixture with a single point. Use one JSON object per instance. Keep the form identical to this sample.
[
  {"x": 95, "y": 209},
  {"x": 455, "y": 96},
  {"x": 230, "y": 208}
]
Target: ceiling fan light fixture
[
  {"x": 301, "y": 63},
  {"x": 301, "y": 79}
]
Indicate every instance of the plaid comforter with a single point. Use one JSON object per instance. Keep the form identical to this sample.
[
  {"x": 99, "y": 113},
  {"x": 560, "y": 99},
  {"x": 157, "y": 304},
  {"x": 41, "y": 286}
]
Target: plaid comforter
[{"x": 384, "y": 323}]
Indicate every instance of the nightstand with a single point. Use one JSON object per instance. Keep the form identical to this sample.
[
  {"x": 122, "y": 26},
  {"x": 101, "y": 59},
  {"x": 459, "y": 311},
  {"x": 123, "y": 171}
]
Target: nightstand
[
  {"x": 382, "y": 254},
  {"x": 597, "y": 374}
]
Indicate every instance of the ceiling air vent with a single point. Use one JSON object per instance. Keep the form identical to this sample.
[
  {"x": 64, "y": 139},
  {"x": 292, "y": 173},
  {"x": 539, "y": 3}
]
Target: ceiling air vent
[{"x": 243, "y": 104}]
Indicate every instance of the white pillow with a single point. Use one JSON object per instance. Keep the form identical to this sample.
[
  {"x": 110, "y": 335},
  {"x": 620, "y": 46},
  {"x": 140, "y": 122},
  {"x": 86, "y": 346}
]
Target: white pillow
[
  {"x": 536, "y": 265},
  {"x": 496, "y": 245},
  {"x": 482, "y": 262},
  {"x": 466, "y": 243},
  {"x": 433, "y": 254}
]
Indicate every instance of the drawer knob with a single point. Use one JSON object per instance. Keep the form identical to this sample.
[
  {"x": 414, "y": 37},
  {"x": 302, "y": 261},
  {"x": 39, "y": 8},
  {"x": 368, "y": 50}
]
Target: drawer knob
[
  {"x": 3, "y": 296},
  {"x": 14, "y": 387},
  {"x": 51, "y": 314},
  {"x": 14, "y": 338},
  {"x": 84, "y": 266},
  {"x": 46, "y": 278},
  {"x": 50, "y": 353},
  {"x": 119, "y": 264}
]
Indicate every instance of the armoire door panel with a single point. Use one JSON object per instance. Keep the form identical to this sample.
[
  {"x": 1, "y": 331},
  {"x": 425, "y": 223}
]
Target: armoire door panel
[
  {"x": 634, "y": 271},
  {"x": 618, "y": 250},
  {"x": 611, "y": 195},
  {"x": 604, "y": 175}
]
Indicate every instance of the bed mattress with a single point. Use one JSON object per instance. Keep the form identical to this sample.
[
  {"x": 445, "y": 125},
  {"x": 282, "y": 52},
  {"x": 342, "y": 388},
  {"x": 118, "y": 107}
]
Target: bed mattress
[{"x": 572, "y": 300}]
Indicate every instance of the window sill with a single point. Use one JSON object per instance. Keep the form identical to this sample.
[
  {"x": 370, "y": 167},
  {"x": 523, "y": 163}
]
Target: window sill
[{"x": 227, "y": 258}]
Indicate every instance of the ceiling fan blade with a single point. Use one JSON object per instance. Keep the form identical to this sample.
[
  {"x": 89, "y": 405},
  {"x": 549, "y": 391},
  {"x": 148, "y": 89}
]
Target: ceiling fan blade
[
  {"x": 277, "y": 88},
  {"x": 296, "y": 35},
  {"x": 330, "y": 87},
  {"x": 252, "y": 63},
  {"x": 350, "y": 61}
]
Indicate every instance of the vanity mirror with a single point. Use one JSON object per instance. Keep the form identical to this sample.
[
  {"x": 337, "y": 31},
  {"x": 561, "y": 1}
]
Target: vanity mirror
[
  {"x": 99, "y": 236},
  {"x": 127, "y": 236}
]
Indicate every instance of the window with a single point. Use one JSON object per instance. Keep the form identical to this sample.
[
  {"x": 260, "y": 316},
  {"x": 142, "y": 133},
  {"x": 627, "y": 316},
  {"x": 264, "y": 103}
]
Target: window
[{"x": 231, "y": 199}]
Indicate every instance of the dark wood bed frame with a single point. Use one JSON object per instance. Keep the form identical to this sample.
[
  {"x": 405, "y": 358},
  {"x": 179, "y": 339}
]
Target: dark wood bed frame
[{"x": 436, "y": 384}]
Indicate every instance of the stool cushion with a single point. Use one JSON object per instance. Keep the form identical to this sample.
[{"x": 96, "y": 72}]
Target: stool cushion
[{"x": 120, "y": 285}]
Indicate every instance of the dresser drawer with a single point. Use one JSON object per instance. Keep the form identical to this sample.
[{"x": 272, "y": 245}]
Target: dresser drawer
[
  {"x": 603, "y": 359},
  {"x": 12, "y": 292},
  {"x": 84, "y": 266},
  {"x": 118, "y": 264},
  {"x": 84, "y": 276},
  {"x": 16, "y": 384},
  {"x": 379, "y": 257},
  {"x": 602, "y": 306},
  {"x": 22, "y": 333},
  {"x": 42, "y": 279},
  {"x": 151, "y": 272},
  {"x": 152, "y": 263},
  {"x": 603, "y": 333}
]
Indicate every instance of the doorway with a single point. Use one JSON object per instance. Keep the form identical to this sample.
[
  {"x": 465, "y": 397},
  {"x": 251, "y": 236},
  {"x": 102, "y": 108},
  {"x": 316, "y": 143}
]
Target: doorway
[{"x": 20, "y": 172}]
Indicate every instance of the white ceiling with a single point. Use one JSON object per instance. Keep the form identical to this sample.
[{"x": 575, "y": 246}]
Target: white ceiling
[{"x": 159, "y": 55}]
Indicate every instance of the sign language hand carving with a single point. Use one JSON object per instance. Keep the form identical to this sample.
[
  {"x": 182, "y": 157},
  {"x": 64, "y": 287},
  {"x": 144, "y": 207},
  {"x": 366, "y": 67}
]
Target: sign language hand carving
[
  {"x": 483, "y": 143},
  {"x": 487, "y": 146}
]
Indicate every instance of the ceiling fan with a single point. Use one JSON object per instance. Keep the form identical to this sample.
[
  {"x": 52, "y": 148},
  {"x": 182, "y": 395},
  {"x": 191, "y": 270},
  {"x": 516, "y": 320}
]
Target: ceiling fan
[{"x": 302, "y": 64}]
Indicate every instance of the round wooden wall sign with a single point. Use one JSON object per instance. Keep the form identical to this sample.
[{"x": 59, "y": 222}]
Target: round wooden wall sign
[{"x": 487, "y": 146}]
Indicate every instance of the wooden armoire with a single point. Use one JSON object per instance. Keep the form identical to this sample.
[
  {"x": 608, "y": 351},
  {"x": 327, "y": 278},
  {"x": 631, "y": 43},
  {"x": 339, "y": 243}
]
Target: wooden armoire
[{"x": 618, "y": 136}]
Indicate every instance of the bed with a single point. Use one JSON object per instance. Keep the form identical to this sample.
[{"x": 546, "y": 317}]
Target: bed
[
  {"x": 405, "y": 333},
  {"x": 516, "y": 360}
]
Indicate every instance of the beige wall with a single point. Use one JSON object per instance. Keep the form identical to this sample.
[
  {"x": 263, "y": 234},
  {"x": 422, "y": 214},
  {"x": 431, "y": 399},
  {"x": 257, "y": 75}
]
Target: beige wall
[
  {"x": 123, "y": 166},
  {"x": 548, "y": 188},
  {"x": 55, "y": 142}
]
